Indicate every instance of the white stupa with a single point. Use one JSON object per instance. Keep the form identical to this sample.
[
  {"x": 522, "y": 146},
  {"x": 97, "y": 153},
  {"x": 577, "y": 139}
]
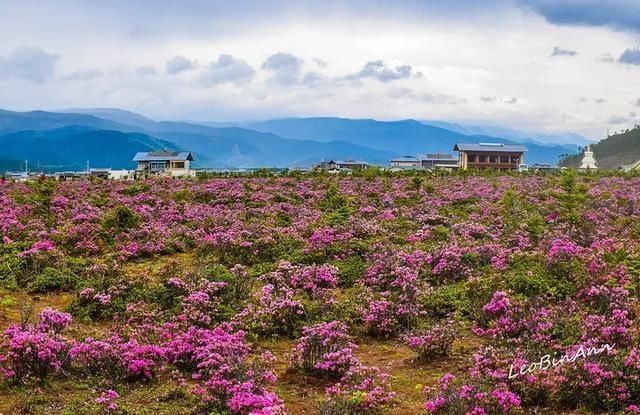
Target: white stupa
[{"x": 588, "y": 161}]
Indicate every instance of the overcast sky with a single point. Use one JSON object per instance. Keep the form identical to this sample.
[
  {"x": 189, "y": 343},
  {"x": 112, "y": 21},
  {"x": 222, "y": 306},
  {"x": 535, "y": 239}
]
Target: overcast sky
[{"x": 538, "y": 65}]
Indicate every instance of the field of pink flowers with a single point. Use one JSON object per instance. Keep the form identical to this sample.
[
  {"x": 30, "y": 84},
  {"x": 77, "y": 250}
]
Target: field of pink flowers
[{"x": 458, "y": 294}]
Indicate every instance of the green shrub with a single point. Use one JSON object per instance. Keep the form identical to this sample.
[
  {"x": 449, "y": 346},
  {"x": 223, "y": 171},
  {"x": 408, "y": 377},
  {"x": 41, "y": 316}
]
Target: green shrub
[
  {"x": 336, "y": 206},
  {"x": 539, "y": 284},
  {"x": 120, "y": 219},
  {"x": 441, "y": 233},
  {"x": 529, "y": 277},
  {"x": 10, "y": 268},
  {"x": 136, "y": 189},
  {"x": 350, "y": 269},
  {"x": 181, "y": 196},
  {"x": 52, "y": 279},
  {"x": 448, "y": 299}
]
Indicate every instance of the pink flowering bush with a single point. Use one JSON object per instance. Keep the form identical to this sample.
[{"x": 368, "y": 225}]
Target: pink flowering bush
[
  {"x": 32, "y": 352},
  {"x": 273, "y": 313},
  {"x": 190, "y": 283},
  {"x": 434, "y": 342},
  {"x": 380, "y": 318},
  {"x": 201, "y": 299},
  {"x": 325, "y": 350},
  {"x": 54, "y": 321},
  {"x": 454, "y": 397},
  {"x": 362, "y": 390},
  {"x": 108, "y": 400},
  {"x": 315, "y": 279}
]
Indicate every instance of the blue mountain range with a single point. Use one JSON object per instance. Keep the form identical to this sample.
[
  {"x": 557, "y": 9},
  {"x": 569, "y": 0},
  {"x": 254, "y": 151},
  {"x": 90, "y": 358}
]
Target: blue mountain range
[{"x": 107, "y": 137}]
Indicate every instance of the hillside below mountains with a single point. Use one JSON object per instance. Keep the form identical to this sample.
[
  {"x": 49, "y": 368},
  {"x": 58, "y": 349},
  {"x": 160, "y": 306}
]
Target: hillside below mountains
[{"x": 612, "y": 152}]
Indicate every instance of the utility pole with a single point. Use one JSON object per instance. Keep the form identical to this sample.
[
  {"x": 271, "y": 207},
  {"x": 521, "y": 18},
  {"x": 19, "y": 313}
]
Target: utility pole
[{"x": 26, "y": 166}]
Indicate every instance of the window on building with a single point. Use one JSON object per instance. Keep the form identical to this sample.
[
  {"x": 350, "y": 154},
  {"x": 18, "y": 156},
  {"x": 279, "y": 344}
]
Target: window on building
[
  {"x": 157, "y": 165},
  {"x": 472, "y": 158},
  {"x": 493, "y": 159},
  {"x": 178, "y": 164},
  {"x": 482, "y": 159},
  {"x": 504, "y": 159},
  {"x": 515, "y": 159}
]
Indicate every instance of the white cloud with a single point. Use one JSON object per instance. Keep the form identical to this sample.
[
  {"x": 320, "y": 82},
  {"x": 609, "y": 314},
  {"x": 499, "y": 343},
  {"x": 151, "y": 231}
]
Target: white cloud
[
  {"x": 557, "y": 51},
  {"x": 29, "y": 64},
  {"x": 285, "y": 68},
  {"x": 228, "y": 69},
  {"x": 146, "y": 70},
  {"x": 84, "y": 75},
  {"x": 618, "y": 119},
  {"x": 605, "y": 57},
  {"x": 500, "y": 53},
  {"x": 379, "y": 70},
  {"x": 178, "y": 64},
  {"x": 630, "y": 56}
]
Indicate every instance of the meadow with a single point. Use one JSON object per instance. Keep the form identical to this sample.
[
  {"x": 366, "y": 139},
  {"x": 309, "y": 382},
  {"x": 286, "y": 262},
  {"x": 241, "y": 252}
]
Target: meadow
[{"x": 321, "y": 295}]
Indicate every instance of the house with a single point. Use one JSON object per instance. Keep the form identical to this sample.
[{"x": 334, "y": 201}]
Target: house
[
  {"x": 404, "y": 161},
  {"x": 443, "y": 161},
  {"x": 342, "y": 165},
  {"x": 121, "y": 174},
  {"x": 164, "y": 163},
  {"x": 497, "y": 156},
  {"x": 542, "y": 167},
  {"x": 99, "y": 173},
  {"x": 17, "y": 176},
  {"x": 108, "y": 173}
]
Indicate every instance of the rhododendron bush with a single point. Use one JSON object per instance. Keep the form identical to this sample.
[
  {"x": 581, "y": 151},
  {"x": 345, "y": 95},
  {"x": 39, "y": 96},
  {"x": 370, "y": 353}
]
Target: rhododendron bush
[{"x": 442, "y": 294}]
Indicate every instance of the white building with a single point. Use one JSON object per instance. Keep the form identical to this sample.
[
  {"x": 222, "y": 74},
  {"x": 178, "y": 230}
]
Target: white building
[
  {"x": 164, "y": 163},
  {"x": 404, "y": 161},
  {"x": 341, "y": 165},
  {"x": 588, "y": 160}
]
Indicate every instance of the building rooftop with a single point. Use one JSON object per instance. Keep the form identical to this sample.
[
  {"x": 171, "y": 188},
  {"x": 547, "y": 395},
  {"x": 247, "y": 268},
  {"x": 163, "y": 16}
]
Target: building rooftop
[
  {"x": 163, "y": 156},
  {"x": 348, "y": 161},
  {"x": 437, "y": 157},
  {"x": 508, "y": 148},
  {"x": 404, "y": 158}
]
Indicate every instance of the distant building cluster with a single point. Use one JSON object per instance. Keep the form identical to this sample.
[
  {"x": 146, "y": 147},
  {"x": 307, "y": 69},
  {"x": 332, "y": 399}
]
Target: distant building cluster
[
  {"x": 480, "y": 156},
  {"x": 105, "y": 173},
  {"x": 341, "y": 166},
  {"x": 498, "y": 156},
  {"x": 154, "y": 163},
  {"x": 443, "y": 161}
]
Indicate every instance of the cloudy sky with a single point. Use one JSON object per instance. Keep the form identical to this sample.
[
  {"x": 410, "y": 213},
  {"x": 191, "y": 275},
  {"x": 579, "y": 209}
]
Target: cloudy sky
[{"x": 537, "y": 65}]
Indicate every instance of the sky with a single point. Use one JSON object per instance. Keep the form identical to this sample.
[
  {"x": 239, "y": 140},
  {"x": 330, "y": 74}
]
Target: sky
[{"x": 547, "y": 66}]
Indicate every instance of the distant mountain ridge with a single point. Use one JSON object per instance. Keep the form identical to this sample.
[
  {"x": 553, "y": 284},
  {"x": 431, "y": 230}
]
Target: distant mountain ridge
[
  {"x": 400, "y": 137},
  {"x": 11, "y": 121},
  {"x": 570, "y": 140},
  {"x": 273, "y": 143},
  {"x": 69, "y": 148}
]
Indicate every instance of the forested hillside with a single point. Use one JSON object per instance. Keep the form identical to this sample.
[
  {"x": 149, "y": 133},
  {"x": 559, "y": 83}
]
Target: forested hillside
[{"x": 612, "y": 152}]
